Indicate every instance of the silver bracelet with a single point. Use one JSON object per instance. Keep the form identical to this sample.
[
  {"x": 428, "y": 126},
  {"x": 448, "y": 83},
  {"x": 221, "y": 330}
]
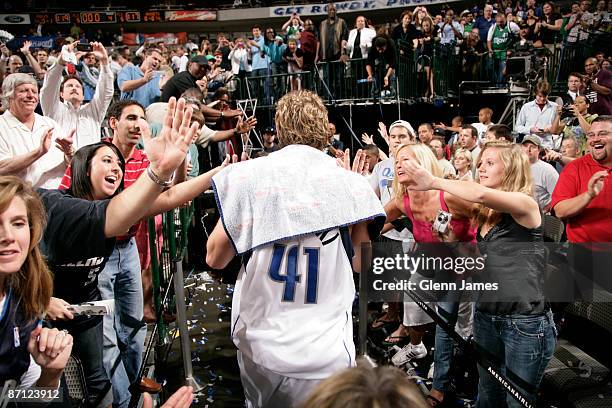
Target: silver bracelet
[{"x": 158, "y": 180}]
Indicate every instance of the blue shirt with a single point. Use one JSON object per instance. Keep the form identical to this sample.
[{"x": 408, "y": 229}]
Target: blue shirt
[
  {"x": 258, "y": 61},
  {"x": 147, "y": 93},
  {"x": 483, "y": 27},
  {"x": 275, "y": 52}
]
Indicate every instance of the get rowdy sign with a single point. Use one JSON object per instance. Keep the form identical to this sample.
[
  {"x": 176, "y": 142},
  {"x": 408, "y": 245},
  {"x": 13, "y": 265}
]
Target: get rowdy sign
[{"x": 350, "y": 6}]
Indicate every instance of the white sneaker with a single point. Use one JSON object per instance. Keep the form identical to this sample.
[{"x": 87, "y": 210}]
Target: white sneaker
[{"x": 409, "y": 352}]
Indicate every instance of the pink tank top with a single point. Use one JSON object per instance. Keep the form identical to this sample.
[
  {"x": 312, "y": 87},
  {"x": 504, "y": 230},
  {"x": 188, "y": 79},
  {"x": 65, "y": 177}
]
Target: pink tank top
[{"x": 422, "y": 229}]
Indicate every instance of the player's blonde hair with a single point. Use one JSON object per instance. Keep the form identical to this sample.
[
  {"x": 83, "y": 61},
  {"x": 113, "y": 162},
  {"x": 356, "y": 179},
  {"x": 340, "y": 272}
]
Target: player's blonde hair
[{"x": 301, "y": 118}]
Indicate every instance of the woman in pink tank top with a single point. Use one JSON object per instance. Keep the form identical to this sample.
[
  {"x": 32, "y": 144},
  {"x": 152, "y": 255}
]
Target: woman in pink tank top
[{"x": 422, "y": 207}]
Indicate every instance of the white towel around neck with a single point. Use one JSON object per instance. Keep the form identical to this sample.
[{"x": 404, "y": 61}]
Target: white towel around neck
[{"x": 295, "y": 191}]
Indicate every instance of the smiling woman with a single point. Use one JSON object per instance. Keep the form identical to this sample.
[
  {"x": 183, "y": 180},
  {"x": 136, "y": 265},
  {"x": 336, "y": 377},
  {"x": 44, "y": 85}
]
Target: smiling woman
[{"x": 25, "y": 290}]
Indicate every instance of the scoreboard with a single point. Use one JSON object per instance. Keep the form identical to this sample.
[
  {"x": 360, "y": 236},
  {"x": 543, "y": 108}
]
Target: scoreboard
[{"x": 99, "y": 17}]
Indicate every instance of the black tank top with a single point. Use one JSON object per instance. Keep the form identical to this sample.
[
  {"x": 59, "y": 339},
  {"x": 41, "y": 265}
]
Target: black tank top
[{"x": 515, "y": 259}]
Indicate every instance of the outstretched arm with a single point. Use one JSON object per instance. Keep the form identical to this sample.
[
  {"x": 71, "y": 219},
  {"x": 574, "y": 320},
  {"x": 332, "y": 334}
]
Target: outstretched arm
[
  {"x": 523, "y": 208},
  {"x": 165, "y": 152}
]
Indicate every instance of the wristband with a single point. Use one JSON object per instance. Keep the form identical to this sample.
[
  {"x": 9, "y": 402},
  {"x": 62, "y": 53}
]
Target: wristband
[{"x": 155, "y": 178}]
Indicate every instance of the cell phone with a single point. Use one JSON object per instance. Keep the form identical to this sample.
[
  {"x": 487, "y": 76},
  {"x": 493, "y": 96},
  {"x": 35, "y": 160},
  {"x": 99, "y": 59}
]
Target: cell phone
[{"x": 84, "y": 47}]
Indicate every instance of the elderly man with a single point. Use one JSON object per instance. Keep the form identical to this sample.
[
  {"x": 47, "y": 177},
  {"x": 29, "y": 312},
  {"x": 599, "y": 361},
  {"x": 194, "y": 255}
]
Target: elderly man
[
  {"x": 143, "y": 83},
  {"x": 26, "y": 148},
  {"x": 62, "y": 100}
]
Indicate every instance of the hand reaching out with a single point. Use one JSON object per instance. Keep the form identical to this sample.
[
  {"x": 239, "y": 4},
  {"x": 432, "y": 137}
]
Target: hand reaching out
[
  {"x": 25, "y": 48},
  {"x": 359, "y": 163},
  {"x": 421, "y": 179},
  {"x": 382, "y": 130},
  {"x": 246, "y": 126},
  {"x": 367, "y": 139},
  {"x": 167, "y": 151}
]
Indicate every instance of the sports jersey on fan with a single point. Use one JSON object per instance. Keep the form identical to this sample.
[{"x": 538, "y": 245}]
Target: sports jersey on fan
[{"x": 292, "y": 304}]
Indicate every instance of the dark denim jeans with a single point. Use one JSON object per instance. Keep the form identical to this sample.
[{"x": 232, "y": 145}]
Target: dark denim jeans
[
  {"x": 523, "y": 344},
  {"x": 444, "y": 343}
]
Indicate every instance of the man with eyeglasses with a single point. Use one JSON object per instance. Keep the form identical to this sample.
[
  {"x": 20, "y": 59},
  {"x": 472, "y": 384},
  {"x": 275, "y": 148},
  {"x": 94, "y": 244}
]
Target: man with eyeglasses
[
  {"x": 583, "y": 195},
  {"x": 598, "y": 84}
]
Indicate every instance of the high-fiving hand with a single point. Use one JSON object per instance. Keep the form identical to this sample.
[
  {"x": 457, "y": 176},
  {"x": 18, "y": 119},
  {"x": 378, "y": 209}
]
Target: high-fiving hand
[{"x": 167, "y": 151}]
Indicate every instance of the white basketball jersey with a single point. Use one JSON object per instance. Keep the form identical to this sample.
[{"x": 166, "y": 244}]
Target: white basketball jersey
[{"x": 291, "y": 311}]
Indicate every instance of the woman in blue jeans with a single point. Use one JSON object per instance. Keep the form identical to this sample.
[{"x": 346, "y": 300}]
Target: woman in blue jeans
[{"x": 513, "y": 326}]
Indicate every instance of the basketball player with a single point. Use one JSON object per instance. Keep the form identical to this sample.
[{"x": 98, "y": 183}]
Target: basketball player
[{"x": 298, "y": 220}]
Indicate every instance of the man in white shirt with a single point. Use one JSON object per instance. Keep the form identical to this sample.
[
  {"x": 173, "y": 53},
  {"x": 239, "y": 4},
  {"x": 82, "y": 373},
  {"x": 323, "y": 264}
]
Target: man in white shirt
[
  {"x": 484, "y": 121},
  {"x": 180, "y": 60},
  {"x": 26, "y": 138},
  {"x": 536, "y": 117},
  {"x": 62, "y": 100},
  {"x": 544, "y": 175}
]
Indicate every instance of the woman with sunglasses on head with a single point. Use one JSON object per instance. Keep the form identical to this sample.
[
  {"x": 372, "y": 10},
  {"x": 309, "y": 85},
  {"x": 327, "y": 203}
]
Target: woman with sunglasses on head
[
  {"x": 30, "y": 355},
  {"x": 515, "y": 323}
]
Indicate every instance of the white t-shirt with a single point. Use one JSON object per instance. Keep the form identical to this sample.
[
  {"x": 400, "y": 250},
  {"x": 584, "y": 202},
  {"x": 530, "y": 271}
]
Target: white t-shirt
[
  {"x": 544, "y": 181},
  {"x": 381, "y": 181},
  {"x": 16, "y": 139},
  {"x": 180, "y": 63},
  {"x": 291, "y": 310}
]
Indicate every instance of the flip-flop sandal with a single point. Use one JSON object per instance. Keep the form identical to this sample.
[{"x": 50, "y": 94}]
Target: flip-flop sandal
[
  {"x": 380, "y": 323},
  {"x": 401, "y": 341},
  {"x": 436, "y": 402}
]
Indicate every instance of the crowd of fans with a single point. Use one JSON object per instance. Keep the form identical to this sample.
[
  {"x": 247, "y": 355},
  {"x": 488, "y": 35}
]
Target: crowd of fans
[{"x": 74, "y": 120}]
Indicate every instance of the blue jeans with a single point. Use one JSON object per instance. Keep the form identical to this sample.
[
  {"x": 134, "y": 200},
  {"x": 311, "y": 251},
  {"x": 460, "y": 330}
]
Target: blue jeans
[
  {"x": 124, "y": 331},
  {"x": 444, "y": 343},
  {"x": 88, "y": 348},
  {"x": 523, "y": 344}
]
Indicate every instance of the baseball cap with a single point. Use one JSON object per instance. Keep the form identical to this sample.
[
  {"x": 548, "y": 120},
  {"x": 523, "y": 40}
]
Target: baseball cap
[
  {"x": 269, "y": 130},
  {"x": 535, "y": 139},
  {"x": 210, "y": 57},
  {"x": 199, "y": 59},
  {"x": 403, "y": 124}
]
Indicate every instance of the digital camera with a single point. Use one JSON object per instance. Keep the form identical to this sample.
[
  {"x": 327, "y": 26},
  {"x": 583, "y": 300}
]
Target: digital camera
[{"x": 442, "y": 221}]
